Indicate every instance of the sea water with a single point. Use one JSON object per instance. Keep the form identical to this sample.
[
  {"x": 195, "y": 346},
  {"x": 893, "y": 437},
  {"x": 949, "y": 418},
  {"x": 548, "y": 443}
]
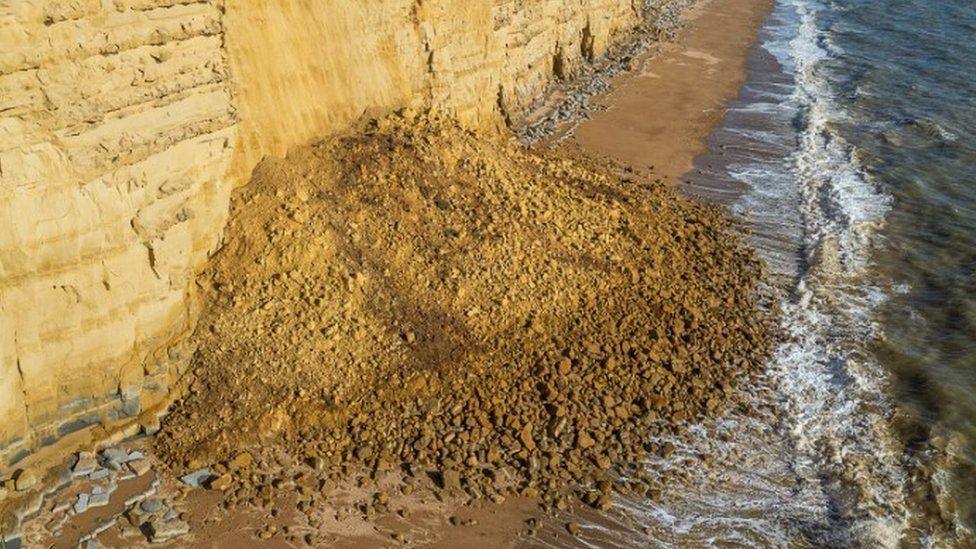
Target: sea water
[{"x": 852, "y": 152}]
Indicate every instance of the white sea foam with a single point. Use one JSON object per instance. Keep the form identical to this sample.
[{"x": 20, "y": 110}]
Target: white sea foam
[{"x": 833, "y": 394}]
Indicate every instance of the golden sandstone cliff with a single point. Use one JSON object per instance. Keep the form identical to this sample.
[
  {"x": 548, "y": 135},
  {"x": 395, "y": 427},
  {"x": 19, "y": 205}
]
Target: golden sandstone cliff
[{"x": 125, "y": 124}]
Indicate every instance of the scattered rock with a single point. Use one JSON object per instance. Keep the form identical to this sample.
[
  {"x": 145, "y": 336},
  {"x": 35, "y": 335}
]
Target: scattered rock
[
  {"x": 160, "y": 530},
  {"x": 220, "y": 483},
  {"x": 197, "y": 478},
  {"x": 140, "y": 466},
  {"x": 85, "y": 464},
  {"x": 81, "y": 505},
  {"x": 24, "y": 479},
  {"x": 151, "y": 506}
]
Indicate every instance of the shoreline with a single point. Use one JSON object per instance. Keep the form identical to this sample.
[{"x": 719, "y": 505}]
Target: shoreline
[
  {"x": 659, "y": 116},
  {"x": 605, "y": 134}
]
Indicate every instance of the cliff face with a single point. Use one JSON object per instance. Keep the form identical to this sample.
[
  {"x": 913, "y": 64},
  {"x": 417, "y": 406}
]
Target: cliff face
[{"x": 124, "y": 125}]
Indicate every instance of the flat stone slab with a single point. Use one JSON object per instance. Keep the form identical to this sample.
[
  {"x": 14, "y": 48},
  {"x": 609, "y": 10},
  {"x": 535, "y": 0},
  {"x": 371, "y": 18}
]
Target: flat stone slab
[
  {"x": 85, "y": 464},
  {"x": 151, "y": 505},
  {"x": 82, "y": 504},
  {"x": 163, "y": 530},
  {"x": 197, "y": 478}
]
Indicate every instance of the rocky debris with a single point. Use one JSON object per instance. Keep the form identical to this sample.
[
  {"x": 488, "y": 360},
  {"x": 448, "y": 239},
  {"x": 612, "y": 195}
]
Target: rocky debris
[
  {"x": 81, "y": 505},
  {"x": 157, "y": 518},
  {"x": 24, "y": 479},
  {"x": 197, "y": 478},
  {"x": 140, "y": 466},
  {"x": 90, "y": 481},
  {"x": 85, "y": 464},
  {"x": 159, "y": 530},
  {"x": 492, "y": 321}
]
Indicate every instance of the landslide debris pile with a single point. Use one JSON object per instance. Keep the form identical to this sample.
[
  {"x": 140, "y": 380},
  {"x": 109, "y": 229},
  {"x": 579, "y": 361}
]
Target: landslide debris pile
[{"x": 417, "y": 296}]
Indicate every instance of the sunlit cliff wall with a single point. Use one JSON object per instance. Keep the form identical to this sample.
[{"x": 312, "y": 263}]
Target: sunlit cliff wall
[{"x": 125, "y": 124}]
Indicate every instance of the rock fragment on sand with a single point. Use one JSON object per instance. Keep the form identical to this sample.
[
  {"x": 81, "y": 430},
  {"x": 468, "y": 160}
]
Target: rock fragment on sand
[
  {"x": 197, "y": 478},
  {"x": 85, "y": 464},
  {"x": 81, "y": 505},
  {"x": 140, "y": 466},
  {"x": 160, "y": 530},
  {"x": 220, "y": 483},
  {"x": 24, "y": 479},
  {"x": 151, "y": 506}
]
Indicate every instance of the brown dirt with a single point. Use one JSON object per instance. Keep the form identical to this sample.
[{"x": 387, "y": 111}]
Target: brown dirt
[{"x": 415, "y": 295}]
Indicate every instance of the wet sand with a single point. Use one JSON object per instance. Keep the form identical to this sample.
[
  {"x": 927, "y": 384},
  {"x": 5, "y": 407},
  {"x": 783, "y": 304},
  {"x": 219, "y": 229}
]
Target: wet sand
[{"x": 659, "y": 115}]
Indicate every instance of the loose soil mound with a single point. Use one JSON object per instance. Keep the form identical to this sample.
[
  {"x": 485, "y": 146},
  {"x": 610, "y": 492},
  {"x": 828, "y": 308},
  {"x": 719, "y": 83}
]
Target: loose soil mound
[{"x": 418, "y": 294}]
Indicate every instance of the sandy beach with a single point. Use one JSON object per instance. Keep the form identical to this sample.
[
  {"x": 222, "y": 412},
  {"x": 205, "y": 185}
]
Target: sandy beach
[{"x": 659, "y": 115}]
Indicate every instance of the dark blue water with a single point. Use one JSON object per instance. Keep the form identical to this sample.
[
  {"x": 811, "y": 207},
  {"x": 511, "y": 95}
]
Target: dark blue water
[
  {"x": 905, "y": 71},
  {"x": 908, "y": 76}
]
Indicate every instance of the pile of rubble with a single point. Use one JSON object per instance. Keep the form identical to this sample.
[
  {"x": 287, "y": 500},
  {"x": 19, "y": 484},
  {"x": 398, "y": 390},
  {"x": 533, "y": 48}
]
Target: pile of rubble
[{"x": 461, "y": 313}]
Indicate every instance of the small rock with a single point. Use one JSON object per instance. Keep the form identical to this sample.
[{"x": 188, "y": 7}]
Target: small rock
[
  {"x": 115, "y": 457},
  {"x": 163, "y": 530},
  {"x": 450, "y": 479},
  {"x": 196, "y": 478},
  {"x": 85, "y": 464},
  {"x": 140, "y": 466},
  {"x": 573, "y": 528},
  {"x": 151, "y": 505},
  {"x": 220, "y": 483},
  {"x": 98, "y": 474},
  {"x": 99, "y": 500},
  {"x": 82, "y": 504},
  {"x": 24, "y": 479},
  {"x": 241, "y": 461}
]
